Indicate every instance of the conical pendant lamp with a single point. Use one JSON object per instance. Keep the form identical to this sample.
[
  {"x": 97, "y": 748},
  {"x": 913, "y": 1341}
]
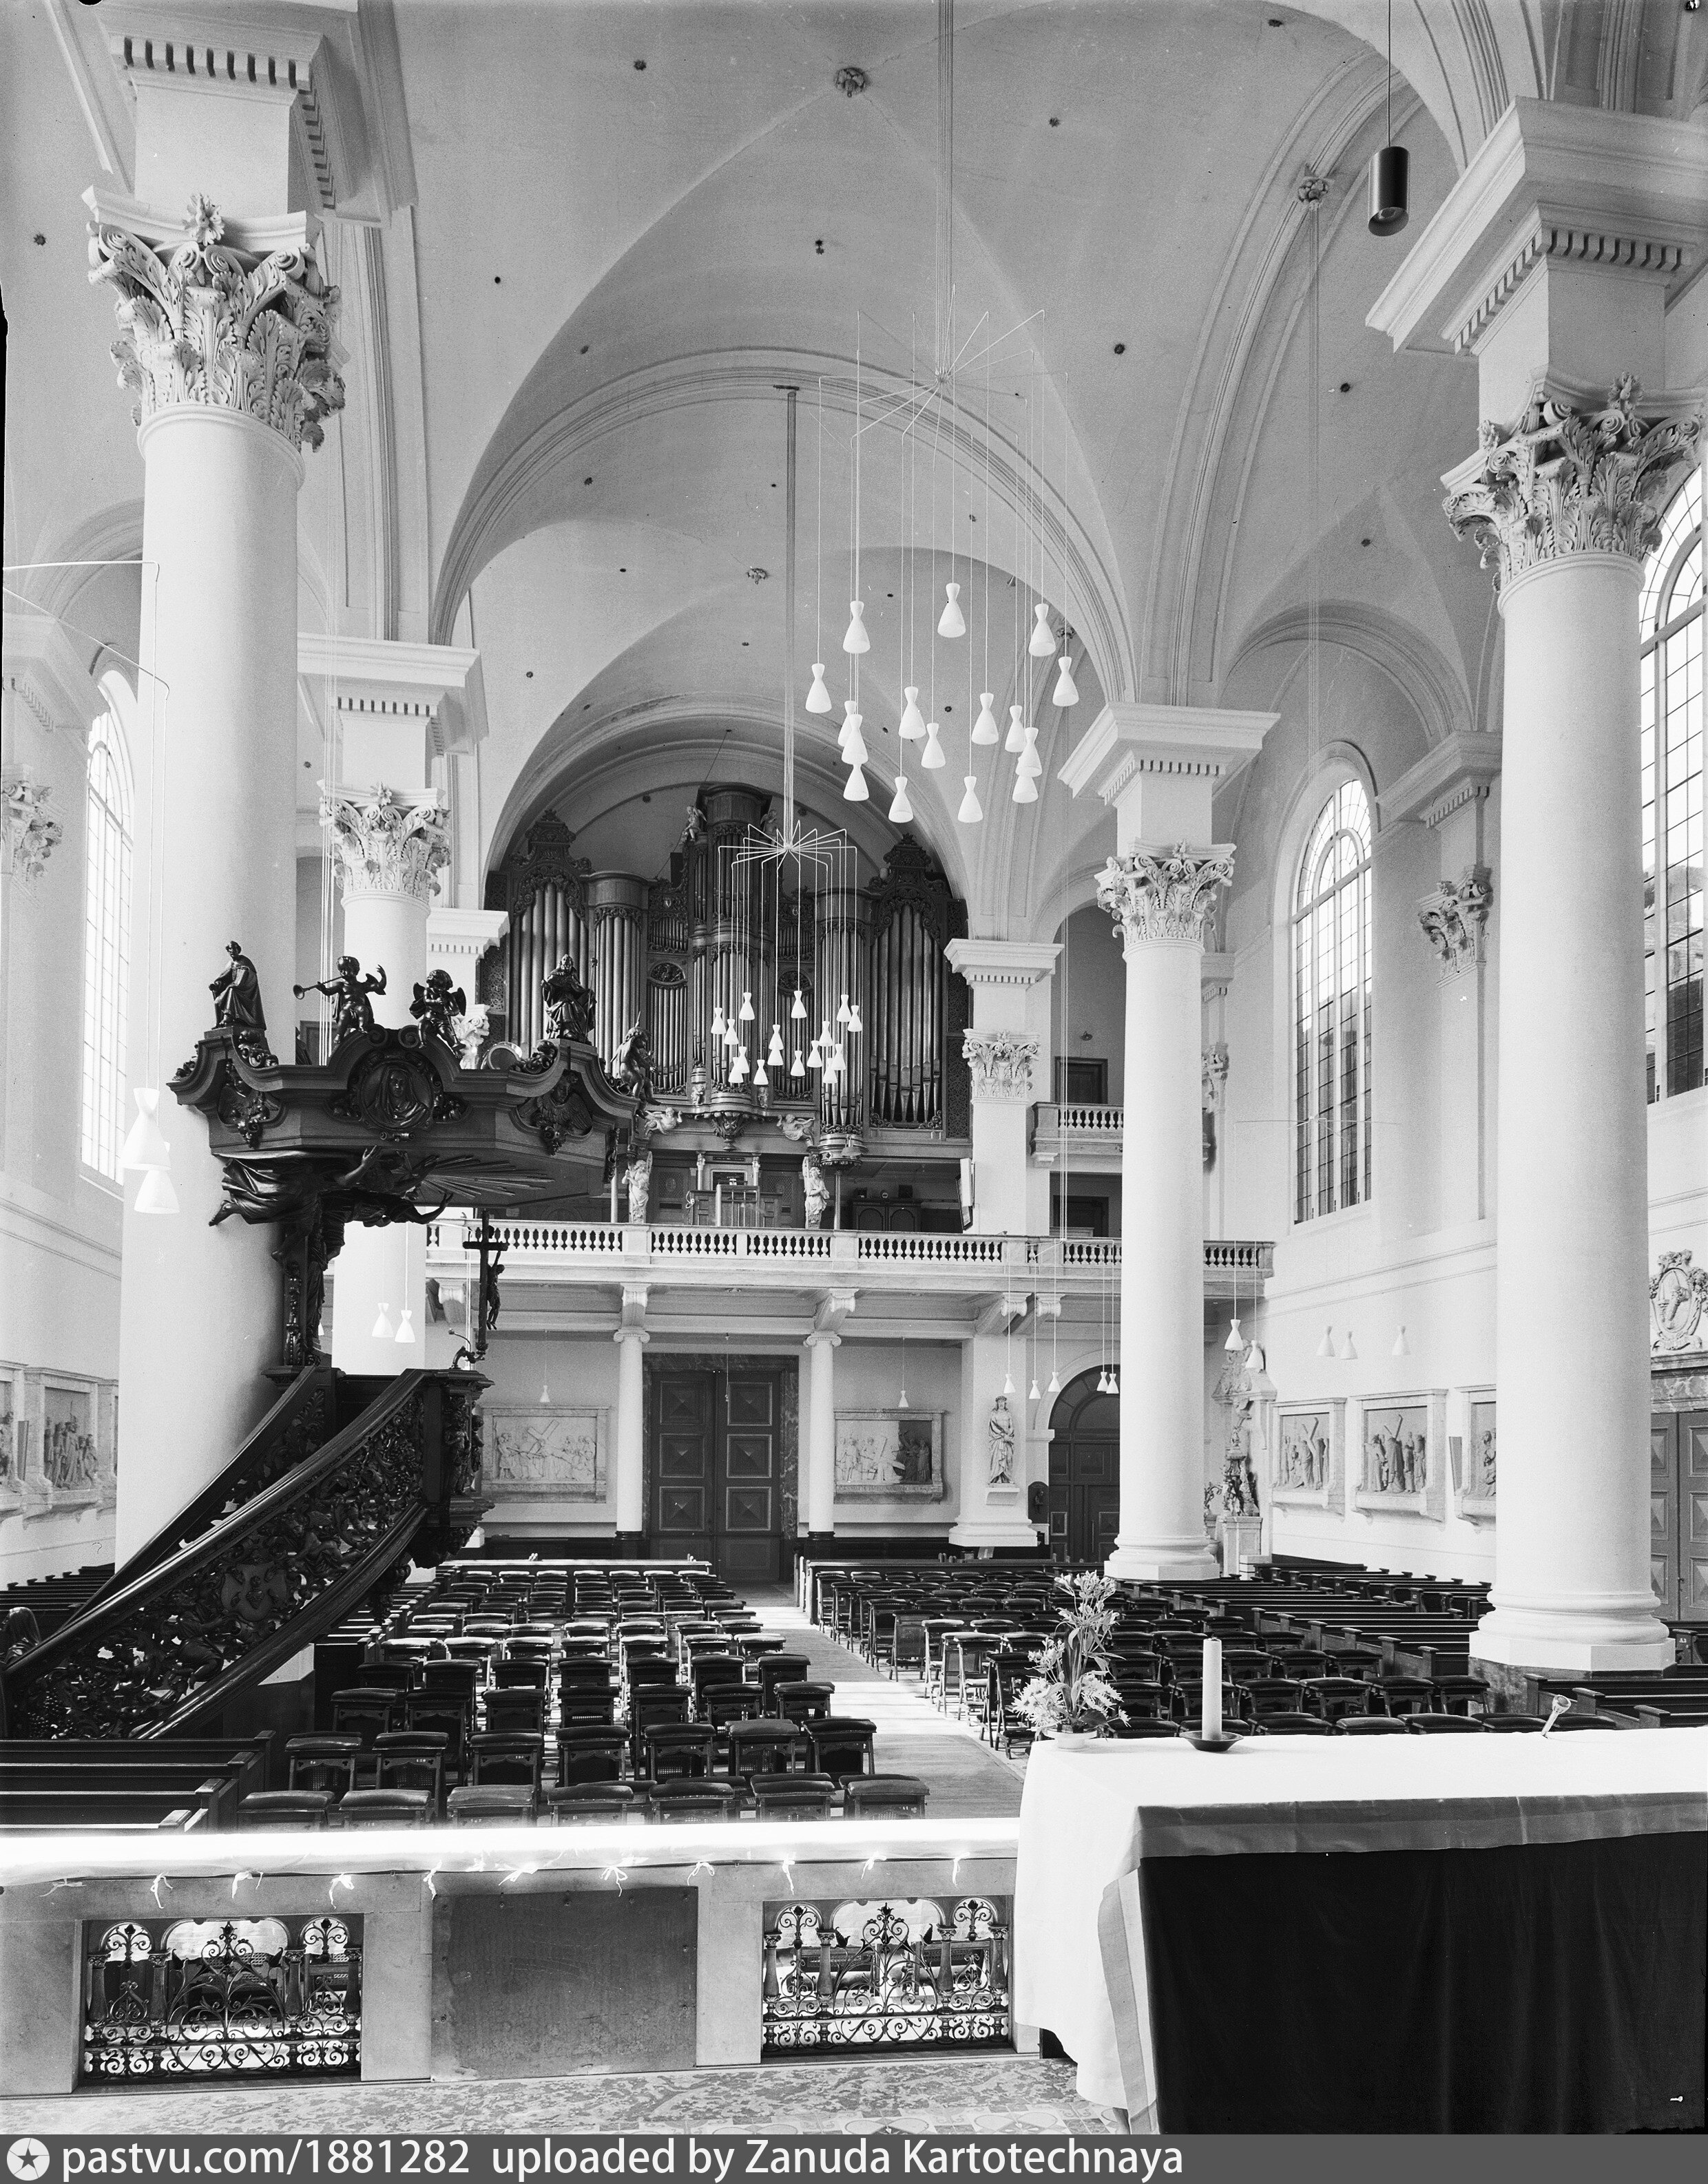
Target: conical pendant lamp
[
  {"x": 843, "y": 1012},
  {"x": 1042, "y": 643},
  {"x": 913, "y": 722},
  {"x": 1029, "y": 765},
  {"x": 854, "y": 751},
  {"x": 1015, "y": 740},
  {"x": 406, "y": 1333},
  {"x": 1065, "y": 692},
  {"x": 971, "y": 811},
  {"x": 819, "y": 698},
  {"x": 952, "y": 622},
  {"x": 934, "y": 751},
  {"x": 774, "y": 1053},
  {"x": 855, "y": 1026},
  {"x": 730, "y": 1035},
  {"x": 984, "y": 730},
  {"x": 145, "y": 1147},
  {"x": 797, "y": 1014},
  {"x": 1234, "y": 1340},
  {"x": 738, "y": 1068},
  {"x": 156, "y": 1195},
  {"x": 1025, "y": 789},
  {"x": 745, "y": 1013},
  {"x": 761, "y": 1082},
  {"x": 718, "y": 1020},
  {"x": 855, "y": 790},
  {"x": 815, "y": 1058},
  {"x": 383, "y": 1331},
  {"x": 1053, "y": 1386},
  {"x": 900, "y": 810},
  {"x": 1033, "y": 1393},
  {"x": 797, "y": 1067},
  {"x": 855, "y": 638}
]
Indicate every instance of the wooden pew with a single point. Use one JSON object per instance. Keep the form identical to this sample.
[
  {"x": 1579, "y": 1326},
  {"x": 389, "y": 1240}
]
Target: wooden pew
[
  {"x": 38, "y": 1812},
  {"x": 215, "y": 1795},
  {"x": 249, "y": 1758}
]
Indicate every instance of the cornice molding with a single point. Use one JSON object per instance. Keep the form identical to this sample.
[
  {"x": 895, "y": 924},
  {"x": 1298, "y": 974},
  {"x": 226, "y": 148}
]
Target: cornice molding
[
  {"x": 1002, "y": 962},
  {"x": 1126, "y": 741},
  {"x": 441, "y": 685},
  {"x": 1456, "y": 773},
  {"x": 45, "y": 671}
]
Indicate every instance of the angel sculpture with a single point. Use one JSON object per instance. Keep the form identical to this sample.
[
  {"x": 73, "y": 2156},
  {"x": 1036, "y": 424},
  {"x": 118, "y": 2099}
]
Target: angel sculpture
[
  {"x": 437, "y": 1007},
  {"x": 353, "y": 1012}
]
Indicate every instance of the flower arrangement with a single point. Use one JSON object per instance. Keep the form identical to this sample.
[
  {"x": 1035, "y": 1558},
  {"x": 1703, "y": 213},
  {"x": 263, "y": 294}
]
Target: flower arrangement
[{"x": 1072, "y": 1692}]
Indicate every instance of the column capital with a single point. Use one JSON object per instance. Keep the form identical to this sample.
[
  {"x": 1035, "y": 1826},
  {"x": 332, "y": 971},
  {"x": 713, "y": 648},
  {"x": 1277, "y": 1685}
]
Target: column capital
[
  {"x": 1155, "y": 894},
  {"x": 1001, "y": 1062},
  {"x": 1454, "y": 917},
  {"x": 1569, "y": 482},
  {"x": 240, "y": 322},
  {"x": 30, "y": 836},
  {"x": 386, "y": 843},
  {"x": 833, "y": 1311}
]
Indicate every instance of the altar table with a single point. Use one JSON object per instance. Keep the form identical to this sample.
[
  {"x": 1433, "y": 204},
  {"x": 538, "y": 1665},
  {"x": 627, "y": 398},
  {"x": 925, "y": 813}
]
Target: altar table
[{"x": 1478, "y": 1933}]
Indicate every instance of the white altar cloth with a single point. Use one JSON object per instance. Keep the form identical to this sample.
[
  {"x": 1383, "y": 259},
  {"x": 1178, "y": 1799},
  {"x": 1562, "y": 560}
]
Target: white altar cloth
[{"x": 1089, "y": 1815}]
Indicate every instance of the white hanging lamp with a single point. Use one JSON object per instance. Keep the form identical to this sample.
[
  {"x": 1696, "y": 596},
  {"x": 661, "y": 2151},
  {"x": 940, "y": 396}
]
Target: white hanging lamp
[
  {"x": 383, "y": 1331},
  {"x": 1402, "y": 1348},
  {"x": 774, "y": 1053},
  {"x": 971, "y": 811},
  {"x": 145, "y": 1146},
  {"x": 819, "y": 699},
  {"x": 1008, "y": 1384},
  {"x": 1042, "y": 643},
  {"x": 1114, "y": 1380},
  {"x": 849, "y": 740},
  {"x": 797, "y": 1013},
  {"x": 761, "y": 1082},
  {"x": 1066, "y": 692},
  {"x": 913, "y": 721},
  {"x": 405, "y": 1334},
  {"x": 1348, "y": 1348},
  {"x": 156, "y": 1193},
  {"x": 855, "y": 790},
  {"x": 738, "y": 1068},
  {"x": 855, "y": 1026},
  {"x": 1028, "y": 763},
  {"x": 1015, "y": 740},
  {"x": 797, "y": 1067},
  {"x": 1025, "y": 789},
  {"x": 746, "y": 1011},
  {"x": 1234, "y": 1340},
  {"x": 855, "y": 638},
  {"x": 952, "y": 622},
  {"x": 1326, "y": 1347},
  {"x": 729, "y": 1033},
  {"x": 718, "y": 1020},
  {"x": 815, "y": 1057},
  {"x": 1103, "y": 1381},
  {"x": 834, "y": 1063},
  {"x": 900, "y": 810},
  {"x": 1053, "y": 1386},
  {"x": 985, "y": 729},
  {"x": 1033, "y": 1394},
  {"x": 1255, "y": 1360},
  {"x": 843, "y": 1011},
  {"x": 934, "y": 750}
]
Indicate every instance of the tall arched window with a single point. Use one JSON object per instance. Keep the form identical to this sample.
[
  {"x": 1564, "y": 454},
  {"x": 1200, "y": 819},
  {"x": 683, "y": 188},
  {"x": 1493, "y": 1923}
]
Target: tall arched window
[
  {"x": 106, "y": 946},
  {"x": 1672, "y": 686},
  {"x": 1331, "y": 962}
]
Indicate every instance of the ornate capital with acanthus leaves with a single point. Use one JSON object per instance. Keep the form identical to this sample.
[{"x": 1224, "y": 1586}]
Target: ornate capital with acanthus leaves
[
  {"x": 1001, "y": 1062},
  {"x": 1454, "y": 917},
  {"x": 30, "y": 836},
  {"x": 1158, "y": 894},
  {"x": 1571, "y": 482},
  {"x": 387, "y": 844},
  {"x": 210, "y": 325}
]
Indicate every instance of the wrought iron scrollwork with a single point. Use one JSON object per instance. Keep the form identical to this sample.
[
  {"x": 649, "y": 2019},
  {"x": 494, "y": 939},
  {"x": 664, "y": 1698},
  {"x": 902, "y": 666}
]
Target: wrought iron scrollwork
[
  {"x": 216, "y": 1998},
  {"x": 891, "y": 1974}
]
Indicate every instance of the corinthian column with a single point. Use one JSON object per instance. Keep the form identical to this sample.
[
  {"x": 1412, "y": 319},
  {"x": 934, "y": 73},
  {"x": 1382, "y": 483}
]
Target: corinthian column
[
  {"x": 1158, "y": 766},
  {"x": 1565, "y": 510},
  {"x": 225, "y": 339},
  {"x": 390, "y": 849},
  {"x": 1564, "y": 315}
]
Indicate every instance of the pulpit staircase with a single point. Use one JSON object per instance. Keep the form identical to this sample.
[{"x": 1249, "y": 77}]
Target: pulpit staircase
[{"x": 342, "y": 1485}]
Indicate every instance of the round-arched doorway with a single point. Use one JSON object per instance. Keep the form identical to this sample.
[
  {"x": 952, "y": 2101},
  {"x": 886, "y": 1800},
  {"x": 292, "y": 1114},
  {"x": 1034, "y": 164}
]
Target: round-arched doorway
[{"x": 1085, "y": 1472}]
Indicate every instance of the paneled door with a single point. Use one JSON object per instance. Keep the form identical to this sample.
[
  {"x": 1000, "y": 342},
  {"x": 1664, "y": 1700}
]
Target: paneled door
[
  {"x": 717, "y": 1471},
  {"x": 1679, "y": 1512},
  {"x": 1085, "y": 1472}
]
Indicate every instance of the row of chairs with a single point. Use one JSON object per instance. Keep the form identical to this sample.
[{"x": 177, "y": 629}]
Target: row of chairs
[{"x": 795, "y": 1796}]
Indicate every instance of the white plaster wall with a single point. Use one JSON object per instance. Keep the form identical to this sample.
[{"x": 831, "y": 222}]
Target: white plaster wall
[
  {"x": 869, "y": 1377},
  {"x": 579, "y": 1370}
]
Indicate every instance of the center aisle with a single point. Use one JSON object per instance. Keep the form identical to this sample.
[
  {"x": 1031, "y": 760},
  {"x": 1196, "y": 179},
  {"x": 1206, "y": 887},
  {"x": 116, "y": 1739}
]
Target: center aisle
[{"x": 968, "y": 1779}]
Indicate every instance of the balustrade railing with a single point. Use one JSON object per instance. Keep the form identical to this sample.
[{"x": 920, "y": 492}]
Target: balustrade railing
[
  {"x": 189, "y": 1999},
  {"x": 891, "y": 1974}
]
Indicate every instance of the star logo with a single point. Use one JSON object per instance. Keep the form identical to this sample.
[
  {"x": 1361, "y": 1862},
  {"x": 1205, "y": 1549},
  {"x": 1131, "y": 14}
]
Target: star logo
[{"x": 27, "y": 2158}]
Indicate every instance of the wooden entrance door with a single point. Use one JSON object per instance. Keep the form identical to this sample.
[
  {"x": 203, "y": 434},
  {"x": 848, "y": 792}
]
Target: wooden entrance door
[
  {"x": 1085, "y": 1472},
  {"x": 717, "y": 1470},
  {"x": 1679, "y": 1512}
]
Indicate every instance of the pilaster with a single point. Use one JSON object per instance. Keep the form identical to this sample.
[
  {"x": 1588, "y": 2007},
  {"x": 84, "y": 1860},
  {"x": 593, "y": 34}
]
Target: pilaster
[{"x": 1006, "y": 1049}]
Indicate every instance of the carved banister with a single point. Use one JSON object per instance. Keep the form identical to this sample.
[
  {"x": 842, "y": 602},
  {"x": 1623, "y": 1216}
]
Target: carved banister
[{"x": 175, "y": 1642}]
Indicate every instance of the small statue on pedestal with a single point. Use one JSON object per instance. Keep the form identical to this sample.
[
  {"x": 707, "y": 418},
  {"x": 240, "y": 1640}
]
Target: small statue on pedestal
[
  {"x": 352, "y": 1009},
  {"x": 568, "y": 1005},
  {"x": 438, "y": 1007},
  {"x": 814, "y": 1190},
  {"x": 1001, "y": 1452},
  {"x": 237, "y": 1008},
  {"x": 639, "y": 1181}
]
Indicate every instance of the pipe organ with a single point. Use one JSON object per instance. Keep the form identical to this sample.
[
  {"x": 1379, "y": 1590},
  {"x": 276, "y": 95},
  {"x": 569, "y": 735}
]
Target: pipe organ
[{"x": 728, "y": 929}]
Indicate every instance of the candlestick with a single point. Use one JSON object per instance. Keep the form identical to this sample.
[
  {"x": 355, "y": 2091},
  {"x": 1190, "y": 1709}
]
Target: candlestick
[{"x": 1213, "y": 1687}]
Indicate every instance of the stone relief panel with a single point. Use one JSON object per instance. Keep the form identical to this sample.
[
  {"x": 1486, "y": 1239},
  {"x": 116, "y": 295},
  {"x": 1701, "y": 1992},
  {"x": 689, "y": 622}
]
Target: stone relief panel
[
  {"x": 545, "y": 1452},
  {"x": 57, "y": 1442},
  {"x": 1679, "y": 1305},
  {"x": 1475, "y": 1458},
  {"x": 890, "y": 1455},
  {"x": 1309, "y": 1470},
  {"x": 1402, "y": 1455}
]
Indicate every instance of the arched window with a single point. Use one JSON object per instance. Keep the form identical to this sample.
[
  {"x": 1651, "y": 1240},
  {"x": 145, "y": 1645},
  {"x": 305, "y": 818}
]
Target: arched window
[
  {"x": 1331, "y": 960},
  {"x": 1672, "y": 688},
  {"x": 106, "y": 946}
]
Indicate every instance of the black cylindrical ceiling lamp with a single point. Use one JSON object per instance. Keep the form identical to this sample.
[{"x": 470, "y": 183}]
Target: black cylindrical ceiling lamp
[{"x": 1390, "y": 195}]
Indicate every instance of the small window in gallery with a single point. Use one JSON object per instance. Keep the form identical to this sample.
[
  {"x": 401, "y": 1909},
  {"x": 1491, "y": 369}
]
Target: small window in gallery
[
  {"x": 1331, "y": 968},
  {"x": 1670, "y": 687},
  {"x": 106, "y": 948}
]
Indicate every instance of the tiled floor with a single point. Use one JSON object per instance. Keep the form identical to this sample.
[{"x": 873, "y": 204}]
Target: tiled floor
[
  {"x": 967, "y": 1778},
  {"x": 1007, "y": 2093}
]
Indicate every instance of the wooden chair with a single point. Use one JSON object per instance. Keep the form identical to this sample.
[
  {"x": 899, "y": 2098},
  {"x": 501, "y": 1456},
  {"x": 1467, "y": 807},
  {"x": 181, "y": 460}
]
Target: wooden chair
[
  {"x": 1460, "y": 1694},
  {"x": 841, "y": 1746},
  {"x": 775, "y": 1669},
  {"x": 1129, "y": 1730},
  {"x": 516, "y": 1712},
  {"x": 1333, "y": 1696},
  {"x": 589, "y": 1756},
  {"x": 285, "y": 1808},
  {"x": 491, "y": 1805},
  {"x": 794, "y": 1797},
  {"x": 498, "y": 1758},
  {"x": 413, "y": 1760},
  {"x": 510, "y": 1675},
  {"x": 765, "y": 1747},
  {"x": 1523, "y": 1723},
  {"x": 1444, "y": 1724},
  {"x": 710, "y": 1669},
  {"x": 805, "y": 1701},
  {"x": 365, "y": 1711},
  {"x": 318, "y": 1764},
  {"x": 694, "y": 1801},
  {"x": 1405, "y": 1695},
  {"x": 585, "y": 1803},
  {"x": 445, "y": 1714},
  {"x": 888, "y": 1797},
  {"x": 1371, "y": 1724},
  {"x": 1294, "y": 1724},
  {"x": 680, "y": 1750},
  {"x": 386, "y": 1809}
]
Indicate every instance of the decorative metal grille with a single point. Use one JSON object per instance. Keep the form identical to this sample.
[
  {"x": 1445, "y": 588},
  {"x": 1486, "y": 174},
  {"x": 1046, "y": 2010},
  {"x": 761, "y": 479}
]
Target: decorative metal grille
[
  {"x": 216, "y": 1999},
  {"x": 890, "y": 1974}
]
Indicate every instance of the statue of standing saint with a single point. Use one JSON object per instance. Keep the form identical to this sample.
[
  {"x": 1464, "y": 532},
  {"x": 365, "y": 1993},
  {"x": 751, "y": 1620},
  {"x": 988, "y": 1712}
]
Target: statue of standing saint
[{"x": 1000, "y": 1460}]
